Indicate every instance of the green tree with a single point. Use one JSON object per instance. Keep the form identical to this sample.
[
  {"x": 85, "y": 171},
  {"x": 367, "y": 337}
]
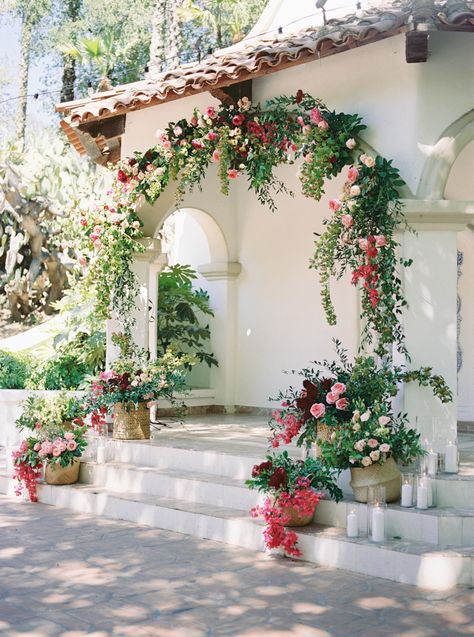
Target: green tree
[{"x": 71, "y": 9}]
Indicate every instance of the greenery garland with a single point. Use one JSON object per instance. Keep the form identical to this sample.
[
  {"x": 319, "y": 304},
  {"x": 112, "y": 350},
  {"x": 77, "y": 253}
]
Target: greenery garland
[{"x": 358, "y": 237}]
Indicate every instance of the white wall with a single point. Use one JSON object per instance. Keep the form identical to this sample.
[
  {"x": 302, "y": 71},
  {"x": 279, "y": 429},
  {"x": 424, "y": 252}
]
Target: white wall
[{"x": 280, "y": 322}]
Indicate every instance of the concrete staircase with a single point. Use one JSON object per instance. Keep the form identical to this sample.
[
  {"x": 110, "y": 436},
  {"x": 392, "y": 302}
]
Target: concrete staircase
[{"x": 201, "y": 492}]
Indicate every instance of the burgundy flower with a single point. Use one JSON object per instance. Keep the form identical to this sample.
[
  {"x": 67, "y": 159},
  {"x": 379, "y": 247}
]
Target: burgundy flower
[
  {"x": 299, "y": 96},
  {"x": 132, "y": 161},
  {"x": 260, "y": 468},
  {"x": 278, "y": 479},
  {"x": 122, "y": 176}
]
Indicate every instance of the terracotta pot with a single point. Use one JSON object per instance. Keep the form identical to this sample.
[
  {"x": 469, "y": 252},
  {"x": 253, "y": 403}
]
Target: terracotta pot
[
  {"x": 131, "y": 422},
  {"x": 55, "y": 474},
  {"x": 296, "y": 520},
  {"x": 385, "y": 475}
]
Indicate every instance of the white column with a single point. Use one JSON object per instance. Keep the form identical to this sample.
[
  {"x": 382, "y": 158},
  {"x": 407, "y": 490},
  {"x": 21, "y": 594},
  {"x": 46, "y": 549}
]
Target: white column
[
  {"x": 223, "y": 293},
  {"x": 147, "y": 266},
  {"x": 430, "y": 285}
]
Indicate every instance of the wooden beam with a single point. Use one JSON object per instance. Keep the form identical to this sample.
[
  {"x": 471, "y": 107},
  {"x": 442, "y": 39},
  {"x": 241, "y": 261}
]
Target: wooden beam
[
  {"x": 416, "y": 46},
  {"x": 108, "y": 128},
  {"x": 230, "y": 95}
]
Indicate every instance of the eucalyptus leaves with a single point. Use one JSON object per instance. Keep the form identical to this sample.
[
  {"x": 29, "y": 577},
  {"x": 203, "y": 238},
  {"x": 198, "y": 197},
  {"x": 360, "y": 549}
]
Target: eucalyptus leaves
[{"x": 250, "y": 140}]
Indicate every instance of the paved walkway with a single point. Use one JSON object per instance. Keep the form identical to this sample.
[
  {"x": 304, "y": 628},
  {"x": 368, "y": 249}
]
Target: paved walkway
[{"x": 74, "y": 575}]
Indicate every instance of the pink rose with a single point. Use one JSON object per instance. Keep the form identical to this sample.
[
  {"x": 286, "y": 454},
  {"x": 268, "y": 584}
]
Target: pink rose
[
  {"x": 332, "y": 397},
  {"x": 363, "y": 244},
  {"x": 300, "y": 120},
  {"x": 97, "y": 243},
  {"x": 82, "y": 261},
  {"x": 318, "y": 410},
  {"x": 166, "y": 145},
  {"x": 98, "y": 230},
  {"x": 380, "y": 240},
  {"x": 216, "y": 155},
  {"x": 360, "y": 445},
  {"x": 211, "y": 111},
  {"x": 338, "y": 388},
  {"x": 37, "y": 447},
  {"x": 83, "y": 221},
  {"x": 335, "y": 205},
  {"x": 352, "y": 174},
  {"x": 69, "y": 435},
  {"x": 342, "y": 403},
  {"x": 315, "y": 116},
  {"x": 384, "y": 448},
  {"x": 71, "y": 445},
  {"x": 372, "y": 443},
  {"x": 346, "y": 221},
  {"x": 238, "y": 119},
  {"x": 56, "y": 452},
  {"x": 197, "y": 143},
  {"x": 232, "y": 173},
  {"x": 323, "y": 125},
  {"x": 177, "y": 130},
  {"x": 41, "y": 453},
  {"x": 212, "y": 136},
  {"x": 47, "y": 447},
  {"x": 384, "y": 420}
]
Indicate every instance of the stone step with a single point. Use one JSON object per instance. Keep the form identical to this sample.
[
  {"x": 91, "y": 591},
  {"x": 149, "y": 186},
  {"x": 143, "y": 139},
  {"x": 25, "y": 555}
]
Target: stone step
[
  {"x": 447, "y": 526},
  {"x": 170, "y": 483},
  {"x": 155, "y": 454},
  {"x": 416, "y": 563}
]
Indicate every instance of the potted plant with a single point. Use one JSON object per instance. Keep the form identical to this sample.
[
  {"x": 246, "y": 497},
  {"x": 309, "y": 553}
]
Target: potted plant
[
  {"x": 330, "y": 392},
  {"x": 40, "y": 411},
  {"x": 291, "y": 498},
  {"x": 133, "y": 385},
  {"x": 57, "y": 450},
  {"x": 370, "y": 445}
]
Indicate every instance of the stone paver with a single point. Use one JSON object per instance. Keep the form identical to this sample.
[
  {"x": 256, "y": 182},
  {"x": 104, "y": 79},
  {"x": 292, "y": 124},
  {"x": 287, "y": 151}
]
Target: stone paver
[{"x": 69, "y": 575}]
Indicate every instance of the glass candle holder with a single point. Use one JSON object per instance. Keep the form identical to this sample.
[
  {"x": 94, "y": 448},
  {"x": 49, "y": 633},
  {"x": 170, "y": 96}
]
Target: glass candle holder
[
  {"x": 376, "y": 494},
  {"x": 425, "y": 492},
  {"x": 376, "y": 521},
  {"x": 407, "y": 490}
]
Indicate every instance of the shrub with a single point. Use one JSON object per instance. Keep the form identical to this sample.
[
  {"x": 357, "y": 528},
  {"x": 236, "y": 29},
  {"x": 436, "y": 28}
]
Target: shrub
[
  {"x": 63, "y": 371},
  {"x": 14, "y": 370}
]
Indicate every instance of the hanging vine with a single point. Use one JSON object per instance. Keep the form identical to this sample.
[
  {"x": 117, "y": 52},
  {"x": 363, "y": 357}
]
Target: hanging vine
[{"x": 359, "y": 236}]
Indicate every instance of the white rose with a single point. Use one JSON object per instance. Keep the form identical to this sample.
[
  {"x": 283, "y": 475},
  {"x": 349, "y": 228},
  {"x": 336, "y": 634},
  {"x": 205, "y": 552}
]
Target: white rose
[
  {"x": 356, "y": 427},
  {"x": 375, "y": 455},
  {"x": 369, "y": 161},
  {"x": 134, "y": 383},
  {"x": 351, "y": 143},
  {"x": 356, "y": 415},
  {"x": 366, "y": 462},
  {"x": 355, "y": 191},
  {"x": 365, "y": 416}
]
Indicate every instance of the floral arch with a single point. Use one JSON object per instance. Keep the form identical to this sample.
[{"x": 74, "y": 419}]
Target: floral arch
[{"x": 359, "y": 235}]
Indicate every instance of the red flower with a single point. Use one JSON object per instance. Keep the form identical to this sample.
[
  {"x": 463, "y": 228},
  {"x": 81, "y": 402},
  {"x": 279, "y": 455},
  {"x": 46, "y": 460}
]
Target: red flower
[
  {"x": 299, "y": 96},
  {"x": 260, "y": 468},
  {"x": 132, "y": 161},
  {"x": 238, "y": 119},
  {"x": 278, "y": 479},
  {"x": 122, "y": 176}
]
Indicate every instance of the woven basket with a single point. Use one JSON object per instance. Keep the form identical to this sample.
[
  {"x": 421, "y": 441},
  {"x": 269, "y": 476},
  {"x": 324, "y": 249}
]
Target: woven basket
[
  {"x": 385, "y": 475},
  {"x": 323, "y": 432},
  {"x": 296, "y": 520},
  {"x": 132, "y": 423},
  {"x": 55, "y": 474}
]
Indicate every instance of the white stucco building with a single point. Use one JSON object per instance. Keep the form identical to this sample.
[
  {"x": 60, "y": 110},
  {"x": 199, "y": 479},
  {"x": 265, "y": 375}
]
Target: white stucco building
[{"x": 268, "y": 315}]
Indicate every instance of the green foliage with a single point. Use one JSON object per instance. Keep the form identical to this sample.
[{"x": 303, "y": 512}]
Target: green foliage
[
  {"x": 48, "y": 413},
  {"x": 14, "y": 370},
  {"x": 180, "y": 312},
  {"x": 62, "y": 371},
  {"x": 320, "y": 475}
]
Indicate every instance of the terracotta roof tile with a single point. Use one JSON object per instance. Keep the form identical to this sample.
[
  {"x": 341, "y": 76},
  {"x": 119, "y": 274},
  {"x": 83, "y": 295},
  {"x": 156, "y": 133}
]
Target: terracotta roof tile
[{"x": 254, "y": 57}]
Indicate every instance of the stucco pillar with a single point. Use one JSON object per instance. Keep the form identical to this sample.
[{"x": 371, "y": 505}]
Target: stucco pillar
[
  {"x": 430, "y": 285},
  {"x": 223, "y": 292},
  {"x": 147, "y": 266}
]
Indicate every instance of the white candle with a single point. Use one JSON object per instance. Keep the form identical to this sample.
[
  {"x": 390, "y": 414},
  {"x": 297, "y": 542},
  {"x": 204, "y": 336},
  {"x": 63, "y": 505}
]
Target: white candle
[
  {"x": 407, "y": 495},
  {"x": 451, "y": 458},
  {"x": 378, "y": 525},
  {"x": 432, "y": 463},
  {"x": 101, "y": 454},
  {"x": 422, "y": 496},
  {"x": 352, "y": 525}
]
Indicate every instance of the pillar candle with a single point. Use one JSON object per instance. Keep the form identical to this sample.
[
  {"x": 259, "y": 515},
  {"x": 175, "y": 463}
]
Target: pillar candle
[
  {"x": 378, "y": 525},
  {"x": 407, "y": 495},
  {"x": 432, "y": 463},
  {"x": 451, "y": 458},
  {"x": 422, "y": 496},
  {"x": 352, "y": 525}
]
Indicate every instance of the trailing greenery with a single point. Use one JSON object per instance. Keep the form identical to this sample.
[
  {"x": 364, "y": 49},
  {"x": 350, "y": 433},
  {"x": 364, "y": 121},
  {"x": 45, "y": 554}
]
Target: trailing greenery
[{"x": 180, "y": 311}]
